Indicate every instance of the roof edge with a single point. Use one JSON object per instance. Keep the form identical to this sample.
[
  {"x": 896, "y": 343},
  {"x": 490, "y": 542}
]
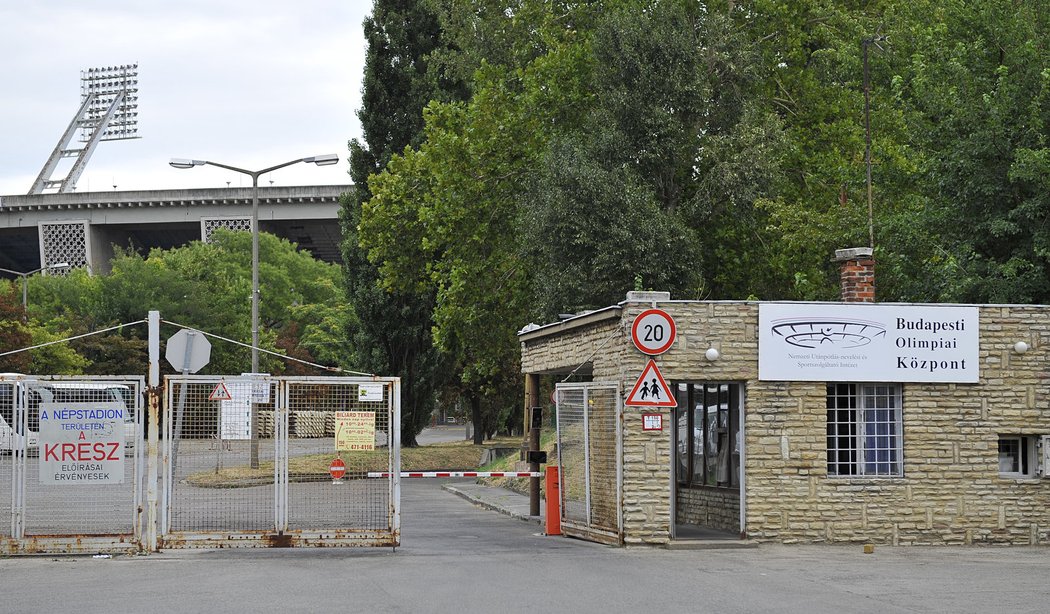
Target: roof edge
[{"x": 591, "y": 317}]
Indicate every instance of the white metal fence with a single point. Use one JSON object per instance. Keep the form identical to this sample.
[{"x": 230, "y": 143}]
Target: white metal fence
[
  {"x": 280, "y": 461},
  {"x": 71, "y": 463},
  {"x": 272, "y": 461},
  {"x": 589, "y": 417}
]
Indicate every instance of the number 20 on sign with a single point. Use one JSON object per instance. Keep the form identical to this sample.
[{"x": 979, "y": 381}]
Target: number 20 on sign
[{"x": 653, "y": 332}]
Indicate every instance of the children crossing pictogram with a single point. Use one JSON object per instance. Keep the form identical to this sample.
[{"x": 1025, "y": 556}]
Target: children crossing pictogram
[{"x": 651, "y": 390}]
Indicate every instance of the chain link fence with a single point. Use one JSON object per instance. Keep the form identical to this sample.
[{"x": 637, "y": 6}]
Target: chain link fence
[
  {"x": 71, "y": 463},
  {"x": 321, "y": 415},
  {"x": 280, "y": 461}
]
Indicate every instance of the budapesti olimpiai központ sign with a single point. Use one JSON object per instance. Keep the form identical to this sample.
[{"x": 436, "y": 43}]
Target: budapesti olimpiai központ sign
[{"x": 868, "y": 343}]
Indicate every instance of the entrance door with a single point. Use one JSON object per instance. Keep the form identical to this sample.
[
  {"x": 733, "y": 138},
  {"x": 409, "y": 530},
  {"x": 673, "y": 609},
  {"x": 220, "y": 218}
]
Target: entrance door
[{"x": 708, "y": 442}]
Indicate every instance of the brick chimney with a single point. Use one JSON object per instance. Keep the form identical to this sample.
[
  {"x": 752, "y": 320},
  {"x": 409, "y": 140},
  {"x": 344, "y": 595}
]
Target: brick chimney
[{"x": 856, "y": 274}]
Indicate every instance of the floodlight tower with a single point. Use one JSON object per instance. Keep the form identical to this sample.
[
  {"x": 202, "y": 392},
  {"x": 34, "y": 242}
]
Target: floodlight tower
[{"x": 108, "y": 112}]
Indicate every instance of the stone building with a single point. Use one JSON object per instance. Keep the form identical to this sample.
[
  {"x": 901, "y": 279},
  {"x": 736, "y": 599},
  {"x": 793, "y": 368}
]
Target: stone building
[{"x": 802, "y": 422}]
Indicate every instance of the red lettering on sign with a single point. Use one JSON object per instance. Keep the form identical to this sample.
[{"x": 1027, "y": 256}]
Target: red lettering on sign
[{"x": 98, "y": 451}]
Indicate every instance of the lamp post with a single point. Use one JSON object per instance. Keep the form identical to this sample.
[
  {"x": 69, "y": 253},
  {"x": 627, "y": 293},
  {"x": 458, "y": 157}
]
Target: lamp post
[
  {"x": 324, "y": 160},
  {"x": 25, "y": 282}
]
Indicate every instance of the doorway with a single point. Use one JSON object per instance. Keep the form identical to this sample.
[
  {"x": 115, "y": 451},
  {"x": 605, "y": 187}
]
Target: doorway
[{"x": 708, "y": 444}]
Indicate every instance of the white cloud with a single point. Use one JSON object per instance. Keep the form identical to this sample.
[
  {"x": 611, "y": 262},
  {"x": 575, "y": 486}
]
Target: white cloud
[{"x": 247, "y": 83}]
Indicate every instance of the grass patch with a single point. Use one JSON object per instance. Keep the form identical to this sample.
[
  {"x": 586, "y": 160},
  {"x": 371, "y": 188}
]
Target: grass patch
[
  {"x": 447, "y": 456},
  {"x": 548, "y": 442}
]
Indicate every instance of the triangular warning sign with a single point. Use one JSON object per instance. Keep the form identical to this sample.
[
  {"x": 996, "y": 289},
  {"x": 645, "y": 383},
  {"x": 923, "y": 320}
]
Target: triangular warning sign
[
  {"x": 220, "y": 393},
  {"x": 651, "y": 390}
]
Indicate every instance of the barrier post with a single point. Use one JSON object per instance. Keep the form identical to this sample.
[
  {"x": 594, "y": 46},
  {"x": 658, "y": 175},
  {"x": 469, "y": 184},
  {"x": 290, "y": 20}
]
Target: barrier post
[{"x": 553, "y": 519}]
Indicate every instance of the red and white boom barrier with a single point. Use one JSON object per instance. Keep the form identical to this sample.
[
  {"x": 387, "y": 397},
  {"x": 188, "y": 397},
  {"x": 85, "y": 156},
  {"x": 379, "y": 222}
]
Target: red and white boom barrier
[{"x": 459, "y": 474}]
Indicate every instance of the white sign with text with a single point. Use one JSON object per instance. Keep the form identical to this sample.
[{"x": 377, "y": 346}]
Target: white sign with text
[
  {"x": 82, "y": 443},
  {"x": 868, "y": 343}
]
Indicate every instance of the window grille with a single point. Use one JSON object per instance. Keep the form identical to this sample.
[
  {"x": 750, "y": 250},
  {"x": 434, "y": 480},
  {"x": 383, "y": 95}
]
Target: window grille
[
  {"x": 64, "y": 242},
  {"x": 864, "y": 430},
  {"x": 210, "y": 224}
]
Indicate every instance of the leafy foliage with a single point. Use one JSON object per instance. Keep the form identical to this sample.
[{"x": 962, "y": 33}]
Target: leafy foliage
[
  {"x": 13, "y": 332},
  {"x": 978, "y": 85},
  {"x": 392, "y": 328},
  {"x": 203, "y": 285}
]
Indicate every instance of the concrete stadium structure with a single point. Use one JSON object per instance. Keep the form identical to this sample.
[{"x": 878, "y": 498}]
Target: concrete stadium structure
[{"x": 81, "y": 228}]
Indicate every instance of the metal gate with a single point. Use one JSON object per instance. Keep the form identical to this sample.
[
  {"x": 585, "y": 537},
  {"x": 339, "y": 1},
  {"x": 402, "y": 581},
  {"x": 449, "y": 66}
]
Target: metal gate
[
  {"x": 71, "y": 464},
  {"x": 280, "y": 461},
  {"x": 589, "y": 454}
]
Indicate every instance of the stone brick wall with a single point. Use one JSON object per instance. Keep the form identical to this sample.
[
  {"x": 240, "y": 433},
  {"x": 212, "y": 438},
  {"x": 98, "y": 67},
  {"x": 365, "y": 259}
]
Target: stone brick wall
[
  {"x": 951, "y": 491},
  {"x": 600, "y": 343},
  {"x": 729, "y": 327}
]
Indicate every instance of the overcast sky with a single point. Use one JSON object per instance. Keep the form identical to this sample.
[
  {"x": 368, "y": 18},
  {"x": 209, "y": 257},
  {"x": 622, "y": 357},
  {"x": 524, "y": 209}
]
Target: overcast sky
[{"x": 249, "y": 83}]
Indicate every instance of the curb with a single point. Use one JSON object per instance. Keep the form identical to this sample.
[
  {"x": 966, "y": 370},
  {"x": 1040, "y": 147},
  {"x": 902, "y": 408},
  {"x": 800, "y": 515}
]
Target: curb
[{"x": 489, "y": 505}]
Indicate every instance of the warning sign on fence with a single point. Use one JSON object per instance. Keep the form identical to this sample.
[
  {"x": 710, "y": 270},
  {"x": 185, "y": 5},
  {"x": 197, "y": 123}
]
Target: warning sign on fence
[
  {"x": 355, "y": 430},
  {"x": 82, "y": 443}
]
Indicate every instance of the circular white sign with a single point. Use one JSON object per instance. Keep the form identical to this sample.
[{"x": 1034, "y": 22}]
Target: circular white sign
[{"x": 653, "y": 332}]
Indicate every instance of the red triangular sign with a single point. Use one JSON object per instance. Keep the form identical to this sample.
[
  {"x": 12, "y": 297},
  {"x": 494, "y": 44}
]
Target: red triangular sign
[
  {"x": 220, "y": 393},
  {"x": 651, "y": 390}
]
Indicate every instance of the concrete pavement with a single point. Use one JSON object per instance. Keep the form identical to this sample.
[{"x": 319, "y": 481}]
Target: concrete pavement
[{"x": 502, "y": 500}]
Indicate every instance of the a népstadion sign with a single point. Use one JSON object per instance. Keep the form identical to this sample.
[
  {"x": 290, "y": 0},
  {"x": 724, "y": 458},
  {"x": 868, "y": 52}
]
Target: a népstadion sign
[
  {"x": 82, "y": 443},
  {"x": 868, "y": 343}
]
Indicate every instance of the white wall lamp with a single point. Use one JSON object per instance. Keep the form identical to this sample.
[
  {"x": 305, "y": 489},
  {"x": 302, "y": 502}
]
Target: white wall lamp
[
  {"x": 1021, "y": 347},
  {"x": 712, "y": 354}
]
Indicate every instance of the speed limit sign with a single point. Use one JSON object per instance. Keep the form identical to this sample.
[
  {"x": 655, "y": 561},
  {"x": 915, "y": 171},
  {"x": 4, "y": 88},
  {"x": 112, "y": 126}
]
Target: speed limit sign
[{"x": 653, "y": 332}]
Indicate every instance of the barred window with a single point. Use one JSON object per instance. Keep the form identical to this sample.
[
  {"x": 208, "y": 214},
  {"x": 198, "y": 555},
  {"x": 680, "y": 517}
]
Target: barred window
[{"x": 864, "y": 430}]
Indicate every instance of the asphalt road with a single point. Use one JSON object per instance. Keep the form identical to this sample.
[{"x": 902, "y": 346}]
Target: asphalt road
[{"x": 456, "y": 557}]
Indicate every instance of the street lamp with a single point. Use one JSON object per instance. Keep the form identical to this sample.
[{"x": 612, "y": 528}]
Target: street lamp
[
  {"x": 25, "y": 282},
  {"x": 324, "y": 160}
]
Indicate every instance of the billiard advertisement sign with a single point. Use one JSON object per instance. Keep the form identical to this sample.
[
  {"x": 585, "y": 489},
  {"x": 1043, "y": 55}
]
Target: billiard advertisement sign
[{"x": 868, "y": 343}]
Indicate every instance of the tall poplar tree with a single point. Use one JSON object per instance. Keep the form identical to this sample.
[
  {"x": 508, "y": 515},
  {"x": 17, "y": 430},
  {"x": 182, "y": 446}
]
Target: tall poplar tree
[{"x": 392, "y": 330}]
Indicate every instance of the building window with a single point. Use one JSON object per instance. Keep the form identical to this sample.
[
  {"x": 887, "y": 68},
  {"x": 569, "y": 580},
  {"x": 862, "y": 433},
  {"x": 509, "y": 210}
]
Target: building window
[
  {"x": 707, "y": 421},
  {"x": 1016, "y": 456},
  {"x": 864, "y": 430}
]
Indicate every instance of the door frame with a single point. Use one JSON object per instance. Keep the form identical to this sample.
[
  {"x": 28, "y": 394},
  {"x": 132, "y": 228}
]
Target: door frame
[{"x": 741, "y": 400}]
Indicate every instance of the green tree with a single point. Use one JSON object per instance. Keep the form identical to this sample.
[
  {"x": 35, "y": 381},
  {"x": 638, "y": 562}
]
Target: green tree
[
  {"x": 13, "y": 332},
  {"x": 56, "y": 358},
  {"x": 391, "y": 330},
  {"x": 205, "y": 286},
  {"x": 660, "y": 181},
  {"x": 812, "y": 75},
  {"x": 443, "y": 218},
  {"x": 977, "y": 81}
]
